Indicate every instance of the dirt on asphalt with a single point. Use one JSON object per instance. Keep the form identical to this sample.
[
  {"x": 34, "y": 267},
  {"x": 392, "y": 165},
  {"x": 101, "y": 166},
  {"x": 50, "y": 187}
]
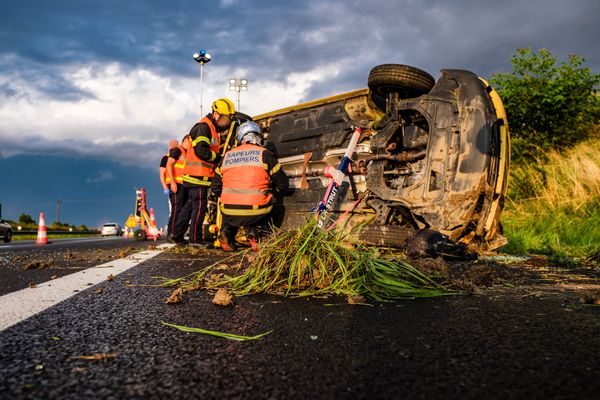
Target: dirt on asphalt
[{"x": 526, "y": 275}]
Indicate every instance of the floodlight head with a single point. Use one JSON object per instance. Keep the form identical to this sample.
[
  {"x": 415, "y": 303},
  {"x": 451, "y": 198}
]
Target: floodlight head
[
  {"x": 202, "y": 57},
  {"x": 243, "y": 81}
]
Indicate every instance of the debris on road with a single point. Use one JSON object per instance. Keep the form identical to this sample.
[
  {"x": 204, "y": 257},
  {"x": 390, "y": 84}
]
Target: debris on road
[
  {"x": 222, "y": 298},
  {"x": 357, "y": 299},
  {"x": 175, "y": 297},
  {"x": 36, "y": 265},
  {"x": 110, "y": 277},
  {"x": 309, "y": 261},
  {"x": 591, "y": 298},
  {"x": 95, "y": 357},
  {"x": 230, "y": 336}
]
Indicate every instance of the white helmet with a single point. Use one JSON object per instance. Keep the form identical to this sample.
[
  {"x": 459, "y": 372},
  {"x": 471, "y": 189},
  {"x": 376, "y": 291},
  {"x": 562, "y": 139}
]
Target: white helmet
[{"x": 249, "y": 132}]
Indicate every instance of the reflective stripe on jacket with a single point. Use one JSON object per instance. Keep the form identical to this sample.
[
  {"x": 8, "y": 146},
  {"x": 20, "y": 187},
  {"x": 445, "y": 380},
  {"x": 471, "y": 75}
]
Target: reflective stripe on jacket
[
  {"x": 178, "y": 167},
  {"x": 197, "y": 171},
  {"x": 245, "y": 182}
]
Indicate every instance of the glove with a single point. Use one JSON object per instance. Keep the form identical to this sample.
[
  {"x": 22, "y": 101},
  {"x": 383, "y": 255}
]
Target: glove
[{"x": 166, "y": 192}]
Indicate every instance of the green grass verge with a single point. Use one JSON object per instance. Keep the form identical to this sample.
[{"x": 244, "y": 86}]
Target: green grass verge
[
  {"x": 52, "y": 236},
  {"x": 563, "y": 232}
]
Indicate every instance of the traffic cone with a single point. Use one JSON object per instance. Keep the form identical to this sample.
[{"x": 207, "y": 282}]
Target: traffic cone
[
  {"x": 126, "y": 232},
  {"x": 152, "y": 218},
  {"x": 42, "y": 237}
]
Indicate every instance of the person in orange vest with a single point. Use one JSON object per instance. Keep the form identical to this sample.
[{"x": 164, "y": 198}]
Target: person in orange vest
[
  {"x": 245, "y": 181},
  {"x": 163, "y": 174},
  {"x": 163, "y": 167},
  {"x": 174, "y": 170},
  {"x": 201, "y": 159}
]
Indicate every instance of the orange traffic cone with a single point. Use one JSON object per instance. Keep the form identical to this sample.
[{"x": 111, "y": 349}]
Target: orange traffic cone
[
  {"x": 42, "y": 237},
  {"x": 152, "y": 218}
]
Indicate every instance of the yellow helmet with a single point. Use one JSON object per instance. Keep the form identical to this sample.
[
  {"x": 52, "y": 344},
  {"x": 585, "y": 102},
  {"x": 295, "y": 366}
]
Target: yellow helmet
[{"x": 223, "y": 106}]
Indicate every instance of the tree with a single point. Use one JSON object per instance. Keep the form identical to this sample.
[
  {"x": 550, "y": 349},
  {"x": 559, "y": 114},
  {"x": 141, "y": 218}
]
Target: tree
[
  {"x": 549, "y": 106},
  {"x": 26, "y": 219}
]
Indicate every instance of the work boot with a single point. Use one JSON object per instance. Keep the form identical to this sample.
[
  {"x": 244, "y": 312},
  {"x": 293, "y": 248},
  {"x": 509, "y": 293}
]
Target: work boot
[
  {"x": 226, "y": 244},
  {"x": 253, "y": 243},
  {"x": 177, "y": 240}
]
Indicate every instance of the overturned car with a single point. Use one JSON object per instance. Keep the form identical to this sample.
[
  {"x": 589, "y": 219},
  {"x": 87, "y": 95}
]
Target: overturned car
[{"x": 433, "y": 156}]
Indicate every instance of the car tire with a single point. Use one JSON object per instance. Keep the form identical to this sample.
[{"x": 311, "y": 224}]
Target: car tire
[
  {"x": 407, "y": 81},
  {"x": 7, "y": 236},
  {"x": 139, "y": 235},
  {"x": 385, "y": 235}
]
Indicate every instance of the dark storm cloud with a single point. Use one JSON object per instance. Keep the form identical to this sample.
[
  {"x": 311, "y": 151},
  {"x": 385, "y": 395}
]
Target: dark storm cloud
[
  {"x": 270, "y": 41},
  {"x": 274, "y": 39}
]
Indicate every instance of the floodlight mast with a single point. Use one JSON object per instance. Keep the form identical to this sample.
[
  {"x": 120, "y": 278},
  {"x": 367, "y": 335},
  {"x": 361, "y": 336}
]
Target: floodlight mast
[
  {"x": 202, "y": 57},
  {"x": 238, "y": 85}
]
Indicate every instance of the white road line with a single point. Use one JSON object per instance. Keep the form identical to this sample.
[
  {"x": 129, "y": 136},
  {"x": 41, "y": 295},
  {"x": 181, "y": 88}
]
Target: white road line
[{"x": 17, "y": 306}]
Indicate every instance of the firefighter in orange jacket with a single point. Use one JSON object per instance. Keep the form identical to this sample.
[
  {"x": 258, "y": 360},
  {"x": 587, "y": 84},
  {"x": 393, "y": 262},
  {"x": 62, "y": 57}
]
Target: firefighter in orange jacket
[
  {"x": 164, "y": 177},
  {"x": 201, "y": 159},
  {"x": 174, "y": 180},
  {"x": 243, "y": 182}
]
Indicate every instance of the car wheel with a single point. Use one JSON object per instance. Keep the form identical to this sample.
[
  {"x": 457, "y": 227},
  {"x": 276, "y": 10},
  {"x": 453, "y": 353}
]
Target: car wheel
[
  {"x": 8, "y": 236},
  {"x": 139, "y": 235},
  {"x": 407, "y": 81}
]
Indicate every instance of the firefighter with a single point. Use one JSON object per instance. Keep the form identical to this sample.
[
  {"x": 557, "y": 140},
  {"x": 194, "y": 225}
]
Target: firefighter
[
  {"x": 242, "y": 182},
  {"x": 163, "y": 166},
  {"x": 174, "y": 180},
  {"x": 164, "y": 177},
  {"x": 201, "y": 158}
]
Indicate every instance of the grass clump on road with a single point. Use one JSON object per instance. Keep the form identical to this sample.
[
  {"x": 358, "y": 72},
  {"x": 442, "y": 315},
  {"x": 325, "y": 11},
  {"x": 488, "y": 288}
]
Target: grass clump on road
[{"x": 311, "y": 262}]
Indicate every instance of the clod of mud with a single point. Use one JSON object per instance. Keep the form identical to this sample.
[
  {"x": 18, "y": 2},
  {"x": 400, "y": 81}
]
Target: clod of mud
[
  {"x": 99, "y": 291},
  {"x": 429, "y": 243},
  {"x": 32, "y": 285},
  {"x": 357, "y": 299},
  {"x": 222, "y": 298},
  {"x": 110, "y": 277},
  {"x": 37, "y": 265},
  {"x": 591, "y": 297},
  {"x": 175, "y": 297}
]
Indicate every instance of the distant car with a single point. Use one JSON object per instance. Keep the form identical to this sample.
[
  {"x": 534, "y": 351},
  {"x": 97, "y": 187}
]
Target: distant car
[
  {"x": 5, "y": 231},
  {"x": 110, "y": 229}
]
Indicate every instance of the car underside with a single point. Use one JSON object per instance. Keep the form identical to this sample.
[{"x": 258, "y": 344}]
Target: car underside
[{"x": 433, "y": 156}]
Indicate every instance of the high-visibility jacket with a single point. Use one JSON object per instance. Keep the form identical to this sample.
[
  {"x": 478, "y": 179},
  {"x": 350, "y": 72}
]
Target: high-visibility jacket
[
  {"x": 178, "y": 167},
  {"x": 197, "y": 171},
  {"x": 245, "y": 182}
]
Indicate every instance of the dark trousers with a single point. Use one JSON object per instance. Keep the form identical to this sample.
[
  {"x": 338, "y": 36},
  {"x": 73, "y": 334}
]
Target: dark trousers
[
  {"x": 254, "y": 225},
  {"x": 192, "y": 212},
  {"x": 177, "y": 201}
]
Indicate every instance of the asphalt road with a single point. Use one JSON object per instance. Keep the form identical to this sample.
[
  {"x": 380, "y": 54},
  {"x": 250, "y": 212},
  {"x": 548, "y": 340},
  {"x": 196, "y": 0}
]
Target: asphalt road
[
  {"x": 23, "y": 262},
  {"x": 502, "y": 343}
]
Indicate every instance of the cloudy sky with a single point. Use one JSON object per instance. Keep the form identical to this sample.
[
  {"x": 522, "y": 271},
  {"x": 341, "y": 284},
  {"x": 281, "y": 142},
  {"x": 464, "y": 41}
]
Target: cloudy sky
[{"x": 100, "y": 83}]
